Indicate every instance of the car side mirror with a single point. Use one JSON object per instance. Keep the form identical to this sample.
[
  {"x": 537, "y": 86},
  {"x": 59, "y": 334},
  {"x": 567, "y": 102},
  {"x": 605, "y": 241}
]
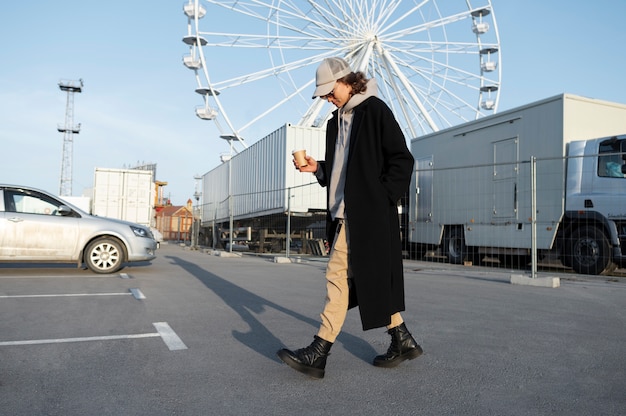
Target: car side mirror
[{"x": 64, "y": 210}]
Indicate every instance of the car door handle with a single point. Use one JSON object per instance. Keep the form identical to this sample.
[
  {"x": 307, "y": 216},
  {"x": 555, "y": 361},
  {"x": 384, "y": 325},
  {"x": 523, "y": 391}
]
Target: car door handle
[{"x": 16, "y": 219}]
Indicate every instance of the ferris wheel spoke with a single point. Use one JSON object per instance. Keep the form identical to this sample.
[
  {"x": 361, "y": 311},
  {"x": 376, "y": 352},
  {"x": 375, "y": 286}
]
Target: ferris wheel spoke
[
  {"x": 334, "y": 9},
  {"x": 435, "y": 101},
  {"x": 271, "y": 13},
  {"x": 413, "y": 119},
  {"x": 267, "y": 73},
  {"x": 274, "y": 107},
  {"x": 448, "y": 69},
  {"x": 463, "y": 73},
  {"x": 424, "y": 27},
  {"x": 442, "y": 87},
  {"x": 392, "y": 68},
  {"x": 420, "y": 47},
  {"x": 238, "y": 40},
  {"x": 459, "y": 101},
  {"x": 428, "y": 72},
  {"x": 387, "y": 10},
  {"x": 406, "y": 15},
  {"x": 246, "y": 8}
]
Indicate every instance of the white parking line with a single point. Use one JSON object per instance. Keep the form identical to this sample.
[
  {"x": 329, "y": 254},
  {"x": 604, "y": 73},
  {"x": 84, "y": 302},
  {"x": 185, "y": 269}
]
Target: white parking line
[
  {"x": 172, "y": 341},
  {"x": 47, "y": 277},
  {"x": 170, "y": 338},
  {"x": 61, "y": 295},
  {"x": 82, "y": 339},
  {"x": 136, "y": 293}
]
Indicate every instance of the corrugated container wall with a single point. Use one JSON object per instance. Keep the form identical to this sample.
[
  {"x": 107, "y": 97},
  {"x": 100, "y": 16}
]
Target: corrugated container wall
[
  {"x": 125, "y": 194},
  {"x": 263, "y": 175}
]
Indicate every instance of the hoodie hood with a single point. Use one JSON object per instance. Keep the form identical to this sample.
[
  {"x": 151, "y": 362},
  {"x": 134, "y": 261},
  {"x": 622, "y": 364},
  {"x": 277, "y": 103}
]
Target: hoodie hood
[{"x": 371, "y": 91}]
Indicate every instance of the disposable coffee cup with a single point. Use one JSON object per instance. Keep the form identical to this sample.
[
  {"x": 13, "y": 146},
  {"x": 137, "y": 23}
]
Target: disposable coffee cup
[{"x": 300, "y": 156}]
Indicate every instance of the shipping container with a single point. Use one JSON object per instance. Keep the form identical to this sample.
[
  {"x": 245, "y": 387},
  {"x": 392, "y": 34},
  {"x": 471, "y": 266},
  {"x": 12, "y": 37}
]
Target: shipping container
[
  {"x": 125, "y": 194},
  {"x": 262, "y": 176},
  {"x": 257, "y": 187}
]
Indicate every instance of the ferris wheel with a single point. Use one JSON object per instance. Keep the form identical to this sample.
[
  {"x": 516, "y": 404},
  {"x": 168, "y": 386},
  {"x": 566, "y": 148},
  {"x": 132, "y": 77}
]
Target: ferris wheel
[{"x": 437, "y": 62}]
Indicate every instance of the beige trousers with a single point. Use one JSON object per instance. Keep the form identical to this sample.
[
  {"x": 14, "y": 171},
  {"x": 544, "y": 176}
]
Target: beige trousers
[{"x": 337, "y": 290}]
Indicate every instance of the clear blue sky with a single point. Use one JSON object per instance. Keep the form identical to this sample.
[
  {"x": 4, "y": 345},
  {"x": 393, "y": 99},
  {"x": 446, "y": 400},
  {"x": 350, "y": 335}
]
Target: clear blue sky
[{"x": 138, "y": 99}]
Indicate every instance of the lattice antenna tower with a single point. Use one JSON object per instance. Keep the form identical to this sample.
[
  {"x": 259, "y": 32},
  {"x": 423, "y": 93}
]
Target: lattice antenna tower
[{"x": 68, "y": 130}]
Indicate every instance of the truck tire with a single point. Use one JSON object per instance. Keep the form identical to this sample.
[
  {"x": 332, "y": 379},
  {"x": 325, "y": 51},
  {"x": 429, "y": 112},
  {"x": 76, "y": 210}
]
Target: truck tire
[
  {"x": 588, "y": 251},
  {"x": 454, "y": 245},
  {"x": 104, "y": 255}
]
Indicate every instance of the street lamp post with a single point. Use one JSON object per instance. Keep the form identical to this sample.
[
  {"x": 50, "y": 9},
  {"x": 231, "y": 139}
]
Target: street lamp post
[
  {"x": 230, "y": 138},
  {"x": 197, "y": 217}
]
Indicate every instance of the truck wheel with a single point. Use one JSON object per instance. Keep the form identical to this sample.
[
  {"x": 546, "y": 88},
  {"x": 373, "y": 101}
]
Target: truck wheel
[
  {"x": 454, "y": 245},
  {"x": 588, "y": 251},
  {"x": 104, "y": 255}
]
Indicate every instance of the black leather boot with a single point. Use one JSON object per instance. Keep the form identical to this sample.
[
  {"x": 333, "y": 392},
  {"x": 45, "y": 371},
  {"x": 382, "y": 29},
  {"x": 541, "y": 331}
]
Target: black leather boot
[
  {"x": 310, "y": 360},
  {"x": 403, "y": 347}
]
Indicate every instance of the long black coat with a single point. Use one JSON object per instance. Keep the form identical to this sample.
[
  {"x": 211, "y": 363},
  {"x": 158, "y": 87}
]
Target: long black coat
[{"x": 378, "y": 174}]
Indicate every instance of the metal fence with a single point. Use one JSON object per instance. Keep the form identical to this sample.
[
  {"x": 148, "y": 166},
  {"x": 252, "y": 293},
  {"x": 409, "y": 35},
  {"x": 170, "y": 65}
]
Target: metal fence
[
  {"x": 570, "y": 211},
  {"x": 505, "y": 215},
  {"x": 264, "y": 222}
]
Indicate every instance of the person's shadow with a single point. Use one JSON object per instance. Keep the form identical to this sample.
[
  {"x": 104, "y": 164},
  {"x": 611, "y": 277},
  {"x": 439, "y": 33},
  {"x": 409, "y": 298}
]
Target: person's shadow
[{"x": 248, "y": 305}]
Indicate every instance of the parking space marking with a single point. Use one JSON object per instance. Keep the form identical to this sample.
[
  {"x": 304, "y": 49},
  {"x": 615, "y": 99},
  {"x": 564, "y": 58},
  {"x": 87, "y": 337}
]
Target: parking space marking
[
  {"x": 136, "y": 293},
  {"x": 167, "y": 334},
  {"x": 62, "y": 295},
  {"x": 81, "y": 339},
  {"x": 170, "y": 338},
  {"x": 46, "y": 276}
]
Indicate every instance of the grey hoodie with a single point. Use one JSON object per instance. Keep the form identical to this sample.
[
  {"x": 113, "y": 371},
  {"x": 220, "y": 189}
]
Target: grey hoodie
[{"x": 336, "y": 204}]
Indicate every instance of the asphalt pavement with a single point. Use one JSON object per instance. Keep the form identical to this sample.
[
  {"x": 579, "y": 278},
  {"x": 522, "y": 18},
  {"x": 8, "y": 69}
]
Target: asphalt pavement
[{"x": 194, "y": 333}]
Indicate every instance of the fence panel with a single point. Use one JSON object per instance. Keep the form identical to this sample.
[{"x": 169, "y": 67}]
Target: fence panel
[{"x": 511, "y": 213}]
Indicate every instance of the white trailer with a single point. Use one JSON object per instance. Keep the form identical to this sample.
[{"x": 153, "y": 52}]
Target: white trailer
[
  {"x": 256, "y": 189},
  {"x": 125, "y": 194},
  {"x": 471, "y": 194}
]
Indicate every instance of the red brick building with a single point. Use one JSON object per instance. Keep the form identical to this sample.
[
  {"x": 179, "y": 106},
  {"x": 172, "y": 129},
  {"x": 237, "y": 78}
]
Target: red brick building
[{"x": 174, "y": 221}]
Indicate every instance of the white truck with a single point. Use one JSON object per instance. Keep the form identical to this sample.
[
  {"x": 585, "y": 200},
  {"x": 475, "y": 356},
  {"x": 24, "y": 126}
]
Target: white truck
[{"x": 475, "y": 186}]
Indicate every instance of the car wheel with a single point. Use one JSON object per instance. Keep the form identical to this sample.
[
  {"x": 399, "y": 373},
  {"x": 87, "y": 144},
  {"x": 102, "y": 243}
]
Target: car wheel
[{"x": 104, "y": 255}]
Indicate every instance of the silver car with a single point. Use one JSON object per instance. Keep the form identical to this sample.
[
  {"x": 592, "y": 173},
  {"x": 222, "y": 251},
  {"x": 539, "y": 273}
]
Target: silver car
[{"x": 36, "y": 226}]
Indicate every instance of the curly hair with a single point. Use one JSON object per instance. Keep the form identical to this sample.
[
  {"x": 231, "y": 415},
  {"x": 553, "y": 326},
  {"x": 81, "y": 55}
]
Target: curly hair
[{"x": 356, "y": 80}]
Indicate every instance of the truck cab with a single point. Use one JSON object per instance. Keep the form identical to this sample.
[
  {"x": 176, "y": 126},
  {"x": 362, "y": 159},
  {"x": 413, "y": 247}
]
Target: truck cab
[{"x": 593, "y": 233}]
